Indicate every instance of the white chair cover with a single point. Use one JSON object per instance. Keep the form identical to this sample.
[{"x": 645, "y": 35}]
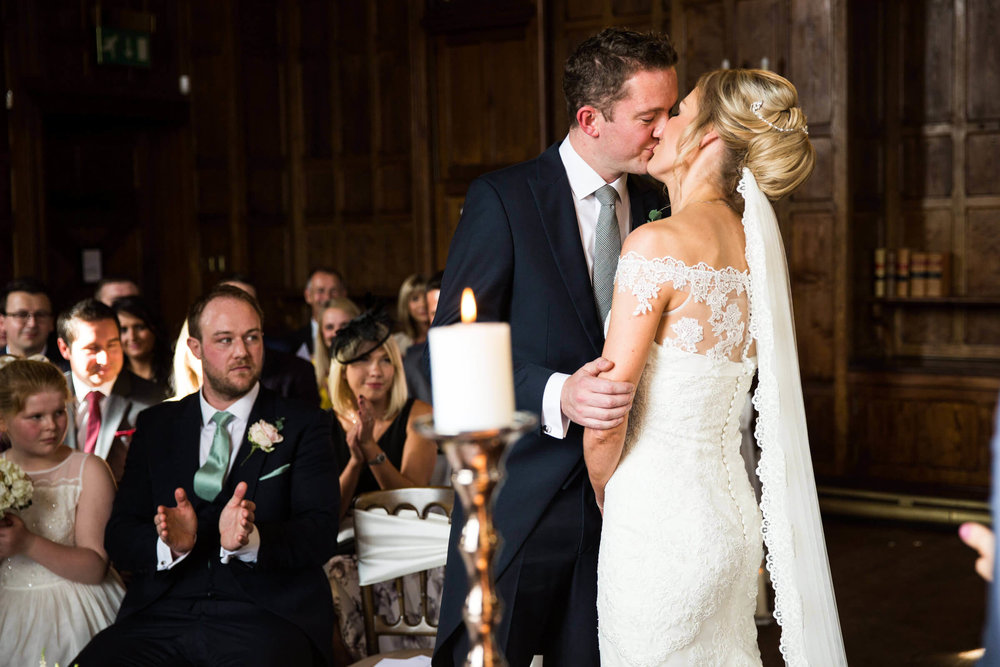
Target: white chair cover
[{"x": 390, "y": 546}]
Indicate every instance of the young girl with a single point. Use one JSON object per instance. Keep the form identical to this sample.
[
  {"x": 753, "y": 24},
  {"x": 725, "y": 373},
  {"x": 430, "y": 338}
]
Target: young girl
[{"x": 56, "y": 589}]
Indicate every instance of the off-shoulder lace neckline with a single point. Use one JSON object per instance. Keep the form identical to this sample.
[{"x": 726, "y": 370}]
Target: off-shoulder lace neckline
[{"x": 700, "y": 266}]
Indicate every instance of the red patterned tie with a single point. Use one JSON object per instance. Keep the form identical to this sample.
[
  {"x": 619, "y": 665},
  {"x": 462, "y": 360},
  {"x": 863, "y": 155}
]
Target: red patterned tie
[{"x": 93, "y": 420}]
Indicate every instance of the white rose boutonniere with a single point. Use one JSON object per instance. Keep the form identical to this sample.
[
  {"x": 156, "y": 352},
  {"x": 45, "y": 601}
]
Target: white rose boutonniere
[
  {"x": 16, "y": 488},
  {"x": 264, "y": 436}
]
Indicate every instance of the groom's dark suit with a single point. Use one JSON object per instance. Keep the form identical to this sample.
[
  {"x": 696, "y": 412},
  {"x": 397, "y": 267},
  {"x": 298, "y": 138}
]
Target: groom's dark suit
[
  {"x": 296, "y": 494},
  {"x": 518, "y": 247}
]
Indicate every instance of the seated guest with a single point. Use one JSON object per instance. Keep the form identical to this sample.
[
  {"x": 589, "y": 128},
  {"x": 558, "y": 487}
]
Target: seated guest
[
  {"x": 376, "y": 444},
  {"x": 56, "y": 589},
  {"x": 283, "y": 373},
  {"x": 411, "y": 312},
  {"x": 28, "y": 321},
  {"x": 323, "y": 284},
  {"x": 147, "y": 351},
  {"x": 219, "y": 578},
  {"x": 107, "y": 398},
  {"x": 418, "y": 381},
  {"x": 335, "y": 314},
  {"x": 112, "y": 288},
  {"x": 185, "y": 378}
]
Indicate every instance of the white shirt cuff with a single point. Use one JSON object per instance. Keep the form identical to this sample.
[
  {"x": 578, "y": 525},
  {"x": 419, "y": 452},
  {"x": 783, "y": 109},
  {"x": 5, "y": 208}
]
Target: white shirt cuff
[
  {"x": 164, "y": 559},
  {"x": 247, "y": 554},
  {"x": 554, "y": 422}
]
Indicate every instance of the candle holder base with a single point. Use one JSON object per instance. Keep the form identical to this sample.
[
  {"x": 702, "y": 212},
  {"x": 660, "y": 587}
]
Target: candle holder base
[{"x": 477, "y": 459}]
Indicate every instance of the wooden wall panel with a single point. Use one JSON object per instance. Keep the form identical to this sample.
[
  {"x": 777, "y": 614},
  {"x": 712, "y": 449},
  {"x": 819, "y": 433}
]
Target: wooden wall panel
[
  {"x": 982, "y": 253},
  {"x": 761, "y": 38},
  {"x": 812, "y": 68},
  {"x": 927, "y": 167},
  {"x": 927, "y": 59},
  {"x": 930, "y": 229},
  {"x": 809, "y": 242},
  {"x": 703, "y": 45},
  {"x": 983, "y": 57},
  {"x": 982, "y": 166},
  {"x": 918, "y": 431}
]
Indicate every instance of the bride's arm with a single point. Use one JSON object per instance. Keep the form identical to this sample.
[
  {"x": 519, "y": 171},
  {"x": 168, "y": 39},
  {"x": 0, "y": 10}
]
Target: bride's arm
[{"x": 627, "y": 345}]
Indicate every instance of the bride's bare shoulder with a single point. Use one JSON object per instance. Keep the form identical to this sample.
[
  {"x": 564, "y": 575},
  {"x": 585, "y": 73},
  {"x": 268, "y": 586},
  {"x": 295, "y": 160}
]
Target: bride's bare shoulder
[{"x": 660, "y": 238}]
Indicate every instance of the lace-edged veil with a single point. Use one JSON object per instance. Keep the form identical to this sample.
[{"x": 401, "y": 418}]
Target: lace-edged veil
[{"x": 805, "y": 605}]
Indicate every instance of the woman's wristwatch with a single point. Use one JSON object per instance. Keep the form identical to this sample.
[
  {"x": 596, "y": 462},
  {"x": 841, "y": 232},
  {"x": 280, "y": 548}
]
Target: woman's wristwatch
[{"x": 378, "y": 459}]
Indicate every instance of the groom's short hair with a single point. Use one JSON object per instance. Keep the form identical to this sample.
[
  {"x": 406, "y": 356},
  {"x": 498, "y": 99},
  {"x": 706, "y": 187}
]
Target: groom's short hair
[{"x": 596, "y": 72}]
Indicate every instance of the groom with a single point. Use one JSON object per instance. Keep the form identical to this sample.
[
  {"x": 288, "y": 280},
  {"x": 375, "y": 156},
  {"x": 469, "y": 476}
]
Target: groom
[
  {"x": 538, "y": 243},
  {"x": 226, "y": 513}
]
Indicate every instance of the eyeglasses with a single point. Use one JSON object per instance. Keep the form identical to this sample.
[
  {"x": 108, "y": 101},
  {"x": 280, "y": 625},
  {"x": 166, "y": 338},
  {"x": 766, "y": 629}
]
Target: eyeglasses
[{"x": 24, "y": 316}]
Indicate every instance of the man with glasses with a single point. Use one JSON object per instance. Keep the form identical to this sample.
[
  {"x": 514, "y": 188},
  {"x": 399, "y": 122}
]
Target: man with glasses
[{"x": 28, "y": 322}]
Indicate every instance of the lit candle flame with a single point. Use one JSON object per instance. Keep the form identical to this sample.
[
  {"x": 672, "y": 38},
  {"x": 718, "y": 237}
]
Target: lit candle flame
[{"x": 468, "y": 306}]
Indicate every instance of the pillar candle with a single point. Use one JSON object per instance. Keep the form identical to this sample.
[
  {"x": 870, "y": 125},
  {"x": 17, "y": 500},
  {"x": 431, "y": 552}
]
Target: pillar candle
[{"x": 472, "y": 376}]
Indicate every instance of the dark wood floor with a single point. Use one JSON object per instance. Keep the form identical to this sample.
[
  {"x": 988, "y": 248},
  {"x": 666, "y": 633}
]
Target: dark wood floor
[{"x": 907, "y": 595}]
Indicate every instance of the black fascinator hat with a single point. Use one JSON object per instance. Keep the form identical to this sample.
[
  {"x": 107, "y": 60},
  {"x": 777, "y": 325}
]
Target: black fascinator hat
[{"x": 360, "y": 336}]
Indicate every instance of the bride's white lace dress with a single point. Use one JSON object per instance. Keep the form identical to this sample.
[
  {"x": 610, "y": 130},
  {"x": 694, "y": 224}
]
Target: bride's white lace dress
[{"x": 682, "y": 543}]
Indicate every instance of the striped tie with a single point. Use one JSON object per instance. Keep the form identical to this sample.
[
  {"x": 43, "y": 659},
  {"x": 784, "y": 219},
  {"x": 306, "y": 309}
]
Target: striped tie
[{"x": 607, "y": 247}]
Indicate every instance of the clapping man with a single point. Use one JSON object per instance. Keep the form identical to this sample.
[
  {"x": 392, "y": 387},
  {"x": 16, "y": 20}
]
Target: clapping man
[{"x": 226, "y": 513}]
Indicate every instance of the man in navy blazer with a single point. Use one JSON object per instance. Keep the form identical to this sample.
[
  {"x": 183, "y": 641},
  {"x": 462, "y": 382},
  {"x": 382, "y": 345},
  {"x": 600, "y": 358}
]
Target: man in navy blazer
[
  {"x": 225, "y": 516},
  {"x": 525, "y": 245}
]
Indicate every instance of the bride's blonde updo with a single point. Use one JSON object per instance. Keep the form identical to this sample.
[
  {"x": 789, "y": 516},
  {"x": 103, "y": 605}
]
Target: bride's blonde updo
[{"x": 775, "y": 146}]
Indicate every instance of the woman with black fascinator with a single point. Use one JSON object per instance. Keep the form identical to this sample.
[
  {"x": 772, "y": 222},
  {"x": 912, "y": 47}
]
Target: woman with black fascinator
[{"x": 375, "y": 442}]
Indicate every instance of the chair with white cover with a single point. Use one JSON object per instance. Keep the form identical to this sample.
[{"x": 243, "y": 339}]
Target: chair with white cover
[{"x": 400, "y": 532}]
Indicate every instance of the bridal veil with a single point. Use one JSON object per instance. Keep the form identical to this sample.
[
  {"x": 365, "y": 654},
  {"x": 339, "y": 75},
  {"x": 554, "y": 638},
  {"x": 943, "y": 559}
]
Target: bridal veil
[{"x": 805, "y": 605}]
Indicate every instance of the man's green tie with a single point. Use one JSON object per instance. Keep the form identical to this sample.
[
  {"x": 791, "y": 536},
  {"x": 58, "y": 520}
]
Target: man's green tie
[{"x": 208, "y": 480}]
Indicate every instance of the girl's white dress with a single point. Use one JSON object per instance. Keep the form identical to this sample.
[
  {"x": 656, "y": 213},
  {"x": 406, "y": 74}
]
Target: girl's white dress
[{"x": 39, "y": 610}]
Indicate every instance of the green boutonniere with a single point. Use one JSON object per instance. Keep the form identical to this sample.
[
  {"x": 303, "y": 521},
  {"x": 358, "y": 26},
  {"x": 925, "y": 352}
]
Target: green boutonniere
[{"x": 655, "y": 214}]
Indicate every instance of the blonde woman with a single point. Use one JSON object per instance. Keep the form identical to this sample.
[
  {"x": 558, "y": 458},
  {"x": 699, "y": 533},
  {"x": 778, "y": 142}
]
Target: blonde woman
[
  {"x": 701, "y": 303},
  {"x": 376, "y": 447},
  {"x": 334, "y": 315},
  {"x": 186, "y": 378}
]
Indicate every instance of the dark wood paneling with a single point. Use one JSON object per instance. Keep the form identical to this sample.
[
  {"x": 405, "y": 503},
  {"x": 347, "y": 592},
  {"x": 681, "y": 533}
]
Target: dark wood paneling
[
  {"x": 918, "y": 429},
  {"x": 704, "y": 45},
  {"x": 808, "y": 237},
  {"x": 927, "y": 60},
  {"x": 982, "y": 253},
  {"x": 812, "y": 68},
  {"x": 762, "y": 33},
  {"x": 927, "y": 167},
  {"x": 982, "y": 166},
  {"x": 983, "y": 56}
]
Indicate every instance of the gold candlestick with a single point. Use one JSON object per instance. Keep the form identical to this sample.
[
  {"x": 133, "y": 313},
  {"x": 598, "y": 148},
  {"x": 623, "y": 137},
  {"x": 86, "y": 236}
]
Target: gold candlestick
[{"x": 476, "y": 460}]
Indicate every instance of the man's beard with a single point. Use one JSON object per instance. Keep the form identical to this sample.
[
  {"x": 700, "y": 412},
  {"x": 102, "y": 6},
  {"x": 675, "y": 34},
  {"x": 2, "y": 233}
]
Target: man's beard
[{"x": 227, "y": 388}]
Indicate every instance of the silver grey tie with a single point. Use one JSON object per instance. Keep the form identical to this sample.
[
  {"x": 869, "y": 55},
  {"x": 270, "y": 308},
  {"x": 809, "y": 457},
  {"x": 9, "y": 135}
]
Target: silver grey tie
[{"x": 607, "y": 247}]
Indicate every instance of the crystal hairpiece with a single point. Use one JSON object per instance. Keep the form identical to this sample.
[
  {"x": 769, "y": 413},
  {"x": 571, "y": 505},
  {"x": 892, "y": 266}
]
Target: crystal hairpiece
[{"x": 755, "y": 108}]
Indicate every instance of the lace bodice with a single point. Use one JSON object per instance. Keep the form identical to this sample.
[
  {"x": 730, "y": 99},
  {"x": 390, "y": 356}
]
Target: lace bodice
[
  {"x": 52, "y": 515},
  {"x": 713, "y": 321}
]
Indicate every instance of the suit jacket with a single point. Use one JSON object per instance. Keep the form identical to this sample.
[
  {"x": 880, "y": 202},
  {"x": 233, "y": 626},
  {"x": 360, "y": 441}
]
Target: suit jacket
[
  {"x": 290, "y": 376},
  {"x": 295, "y": 340},
  {"x": 518, "y": 247},
  {"x": 297, "y": 496},
  {"x": 129, "y": 396}
]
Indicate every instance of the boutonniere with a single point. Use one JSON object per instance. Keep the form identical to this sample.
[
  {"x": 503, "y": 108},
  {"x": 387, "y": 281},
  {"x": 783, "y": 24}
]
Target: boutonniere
[
  {"x": 264, "y": 436},
  {"x": 656, "y": 214}
]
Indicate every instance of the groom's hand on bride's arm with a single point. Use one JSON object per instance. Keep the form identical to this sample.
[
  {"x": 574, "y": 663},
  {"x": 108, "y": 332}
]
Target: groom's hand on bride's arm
[{"x": 595, "y": 402}]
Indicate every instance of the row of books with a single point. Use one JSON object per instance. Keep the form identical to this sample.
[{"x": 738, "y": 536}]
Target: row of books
[{"x": 906, "y": 273}]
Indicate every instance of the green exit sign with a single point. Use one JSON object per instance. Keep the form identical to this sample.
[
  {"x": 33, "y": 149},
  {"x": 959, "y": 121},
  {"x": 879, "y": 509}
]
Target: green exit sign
[{"x": 117, "y": 46}]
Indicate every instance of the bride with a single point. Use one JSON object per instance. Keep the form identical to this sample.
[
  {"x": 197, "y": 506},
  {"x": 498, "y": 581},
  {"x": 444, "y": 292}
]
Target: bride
[{"x": 702, "y": 302}]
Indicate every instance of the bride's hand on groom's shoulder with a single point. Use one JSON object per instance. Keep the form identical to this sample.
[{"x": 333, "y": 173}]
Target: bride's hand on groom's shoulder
[{"x": 595, "y": 402}]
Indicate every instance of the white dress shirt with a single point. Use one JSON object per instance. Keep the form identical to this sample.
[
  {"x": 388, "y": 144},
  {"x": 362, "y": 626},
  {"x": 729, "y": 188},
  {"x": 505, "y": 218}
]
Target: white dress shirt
[
  {"x": 237, "y": 428},
  {"x": 80, "y": 391},
  {"x": 583, "y": 182},
  {"x": 303, "y": 351}
]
